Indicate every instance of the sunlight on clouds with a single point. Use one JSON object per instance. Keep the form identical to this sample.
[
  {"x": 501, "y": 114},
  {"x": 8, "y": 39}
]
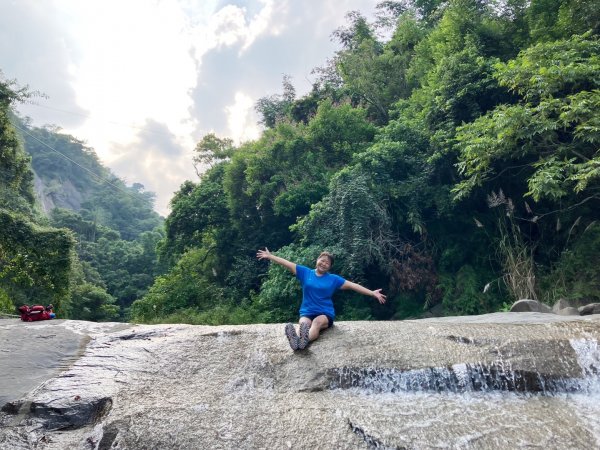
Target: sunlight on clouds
[
  {"x": 229, "y": 26},
  {"x": 241, "y": 120},
  {"x": 158, "y": 172},
  {"x": 263, "y": 22},
  {"x": 142, "y": 66},
  {"x": 139, "y": 57},
  {"x": 137, "y": 61},
  {"x": 142, "y": 60}
]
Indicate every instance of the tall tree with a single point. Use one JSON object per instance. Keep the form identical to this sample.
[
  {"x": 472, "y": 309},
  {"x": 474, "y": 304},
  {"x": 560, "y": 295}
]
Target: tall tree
[
  {"x": 554, "y": 128},
  {"x": 35, "y": 260}
]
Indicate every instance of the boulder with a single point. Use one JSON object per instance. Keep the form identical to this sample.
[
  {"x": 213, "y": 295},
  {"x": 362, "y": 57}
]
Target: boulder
[
  {"x": 568, "y": 311},
  {"x": 436, "y": 311},
  {"x": 526, "y": 305},
  {"x": 562, "y": 303},
  {"x": 592, "y": 308}
]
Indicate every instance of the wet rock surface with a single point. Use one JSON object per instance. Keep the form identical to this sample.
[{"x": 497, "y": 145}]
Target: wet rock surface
[
  {"x": 441, "y": 382},
  {"x": 33, "y": 352}
]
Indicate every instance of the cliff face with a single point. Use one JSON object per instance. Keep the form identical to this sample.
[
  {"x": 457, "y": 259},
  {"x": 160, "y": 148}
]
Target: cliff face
[
  {"x": 57, "y": 194},
  {"x": 500, "y": 380}
]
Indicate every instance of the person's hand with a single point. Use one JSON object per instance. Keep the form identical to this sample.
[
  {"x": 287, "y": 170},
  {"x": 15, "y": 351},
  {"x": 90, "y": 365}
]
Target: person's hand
[
  {"x": 263, "y": 254},
  {"x": 379, "y": 296}
]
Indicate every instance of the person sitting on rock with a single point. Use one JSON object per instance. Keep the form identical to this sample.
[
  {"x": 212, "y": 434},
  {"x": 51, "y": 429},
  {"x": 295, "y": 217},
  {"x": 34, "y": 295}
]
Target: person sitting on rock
[
  {"x": 318, "y": 286},
  {"x": 50, "y": 311}
]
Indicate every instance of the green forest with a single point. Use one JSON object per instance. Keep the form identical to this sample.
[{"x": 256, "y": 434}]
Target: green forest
[
  {"x": 91, "y": 263},
  {"x": 448, "y": 153}
]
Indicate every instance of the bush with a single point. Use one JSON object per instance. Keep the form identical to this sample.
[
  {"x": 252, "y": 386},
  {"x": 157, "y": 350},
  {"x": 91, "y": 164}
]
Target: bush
[
  {"x": 6, "y": 305},
  {"x": 576, "y": 275},
  {"x": 188, "y": 287}
]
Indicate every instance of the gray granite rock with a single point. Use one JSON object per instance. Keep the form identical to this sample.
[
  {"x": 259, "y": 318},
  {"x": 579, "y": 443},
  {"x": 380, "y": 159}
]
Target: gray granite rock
[
  {"x": 562, "y": 303},
  {"x": 453, "y": 382},
  {"x": 33, "y": 352},
  {"x": 526, "y": 305},
  {"x": 568, "y": 311},
  {"x": 592, "y": 308}
]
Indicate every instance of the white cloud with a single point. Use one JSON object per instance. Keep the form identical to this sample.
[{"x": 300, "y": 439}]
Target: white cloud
[
  {"x": 155, "y": 157},
  {"x": 264, "y": 23},
  {"x": 241, "y": 119},
  {"x": 137, "y": 66},
  {"x": 141, "y": 81},
  {"x": 231, "y": 26}
]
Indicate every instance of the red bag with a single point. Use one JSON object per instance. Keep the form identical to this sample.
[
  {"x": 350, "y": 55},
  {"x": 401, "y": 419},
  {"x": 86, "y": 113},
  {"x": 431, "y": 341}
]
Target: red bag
[{"x": 35, "y": 312}]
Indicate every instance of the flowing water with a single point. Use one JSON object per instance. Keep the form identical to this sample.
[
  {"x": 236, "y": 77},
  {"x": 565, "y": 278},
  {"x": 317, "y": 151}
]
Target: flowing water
[{"x": 475, "y": 405}]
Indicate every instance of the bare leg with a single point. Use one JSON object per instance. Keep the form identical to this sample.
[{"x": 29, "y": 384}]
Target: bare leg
[{"x": 316, "y": 326}]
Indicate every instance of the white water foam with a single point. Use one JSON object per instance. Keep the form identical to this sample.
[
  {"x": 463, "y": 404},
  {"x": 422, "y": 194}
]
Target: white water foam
[
  {"x": 588, "y": 357},
  {"x": 444, "y": 408},
  {"x": 587, "y": 404}
]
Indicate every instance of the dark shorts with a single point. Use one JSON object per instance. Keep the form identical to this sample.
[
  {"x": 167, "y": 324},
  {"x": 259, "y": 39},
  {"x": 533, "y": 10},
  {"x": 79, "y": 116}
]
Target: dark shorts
[{"x": 313, "y": 316}]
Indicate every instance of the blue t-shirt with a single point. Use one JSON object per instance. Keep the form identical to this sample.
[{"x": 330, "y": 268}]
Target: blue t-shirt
[{"x": 317, "y": 291}]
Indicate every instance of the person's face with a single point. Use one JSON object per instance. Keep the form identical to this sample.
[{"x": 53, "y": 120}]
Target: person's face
[{"x": 323, "y": 264}]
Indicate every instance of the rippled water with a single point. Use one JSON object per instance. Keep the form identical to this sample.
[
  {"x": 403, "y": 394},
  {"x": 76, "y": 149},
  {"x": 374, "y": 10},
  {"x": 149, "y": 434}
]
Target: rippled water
[
  {"x": 458, "y": 407},
  {"x": 478, "y": 420}
]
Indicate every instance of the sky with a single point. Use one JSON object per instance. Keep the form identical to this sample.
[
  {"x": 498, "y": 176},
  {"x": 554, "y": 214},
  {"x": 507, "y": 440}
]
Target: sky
[{"x": 142, "y": 81}]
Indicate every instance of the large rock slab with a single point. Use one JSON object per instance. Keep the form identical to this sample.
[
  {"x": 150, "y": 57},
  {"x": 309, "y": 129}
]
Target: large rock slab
[
  {"x": 447, "y": 382},
  {"x": 33, "y": 352}
]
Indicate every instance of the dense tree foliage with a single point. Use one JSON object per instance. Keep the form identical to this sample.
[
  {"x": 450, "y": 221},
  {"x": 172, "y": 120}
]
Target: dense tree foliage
[
  {"x": 453, "y": 163},
  {"x": 553, "y": 129},
  {"x": 63, "y": 162},
  {"x": 16, "y": 186},
  {"x": 447, "y": 153},
  {"x": 35, "y": 260},
  {"x": 115, "y": 227},
  {"x": 95, "y": 253}
]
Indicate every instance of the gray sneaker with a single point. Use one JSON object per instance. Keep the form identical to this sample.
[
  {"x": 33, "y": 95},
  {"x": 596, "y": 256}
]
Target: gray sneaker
[
  {"x": 293, "y": 339},
  {"x": 303, "y": 340}
]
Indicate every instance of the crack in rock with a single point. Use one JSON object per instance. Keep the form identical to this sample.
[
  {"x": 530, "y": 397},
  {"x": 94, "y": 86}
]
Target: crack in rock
[
  {"x": 71, "y": 414},
  {"x": 371, "y": 441},
  {"x": 461, "y": 339},
  {"x": 222, "y": 333},
  {"x": 109, "y": 437}
]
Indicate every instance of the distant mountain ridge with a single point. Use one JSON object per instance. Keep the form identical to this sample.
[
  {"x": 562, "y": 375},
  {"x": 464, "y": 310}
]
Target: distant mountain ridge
[
  {"x": 69, "y": 175},
  {"x": 71, "y": 232}
]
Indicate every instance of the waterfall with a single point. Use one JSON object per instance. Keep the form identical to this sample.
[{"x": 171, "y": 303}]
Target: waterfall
[
  {"x": 478, "y": 405},
  {"x": 588, "y": 357},
  {"x": 498, "y": 375}
]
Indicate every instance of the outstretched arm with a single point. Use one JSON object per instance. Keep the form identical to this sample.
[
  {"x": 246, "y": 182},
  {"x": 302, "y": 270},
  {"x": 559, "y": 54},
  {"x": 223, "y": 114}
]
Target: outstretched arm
[
  {"x": 363, "y": 290},
  {"x": 266, "y": 254}
]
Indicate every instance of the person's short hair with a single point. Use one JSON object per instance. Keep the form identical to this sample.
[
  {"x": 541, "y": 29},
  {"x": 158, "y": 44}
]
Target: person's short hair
[{"x": 328, "y": 255}]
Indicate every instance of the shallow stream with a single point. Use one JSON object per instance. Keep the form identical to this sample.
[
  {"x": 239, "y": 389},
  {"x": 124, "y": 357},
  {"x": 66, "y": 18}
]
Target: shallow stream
[{"x": 474, "y": 405}]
